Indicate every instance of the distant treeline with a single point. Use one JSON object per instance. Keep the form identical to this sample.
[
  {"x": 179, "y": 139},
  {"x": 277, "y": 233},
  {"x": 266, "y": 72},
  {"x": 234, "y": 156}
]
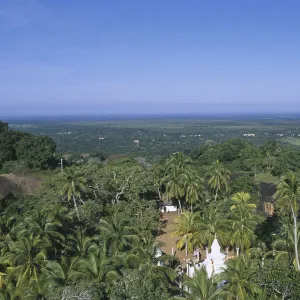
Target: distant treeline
[{"x": 23, "y": 150}]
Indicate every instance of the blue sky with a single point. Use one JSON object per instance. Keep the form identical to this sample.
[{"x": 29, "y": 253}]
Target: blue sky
[{"x": 159, "y": 56}]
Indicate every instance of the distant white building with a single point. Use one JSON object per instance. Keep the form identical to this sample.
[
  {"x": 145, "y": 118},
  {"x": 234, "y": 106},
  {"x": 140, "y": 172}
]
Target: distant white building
[
  {"x": 249, "y": 134},
  {"x": 168, "y": 207},
  {"x": 214, "y": 262},
  {"x": 136, "y": 141}
]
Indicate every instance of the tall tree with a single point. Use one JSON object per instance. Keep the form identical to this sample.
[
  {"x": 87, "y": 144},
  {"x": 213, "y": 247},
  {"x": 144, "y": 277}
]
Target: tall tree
[
  {"x": 179, "y": 159},
  {"x": 174, "y": 185},
  {"x": 201, "y": 287},
  {"x": 242, "y": 199},
  {"x": 237, "y": 274},
  {"x": 193, "y": 186},
  {"x": 74, "y": 185},
  {"x": 27, "y": 255},
  {"x": 287, "y": 200},
  {"x": 187, "y": 230},
  {"x": 244, "y": 222},
  {"x": 146, "y": 257},
  {"x": 212, "y": 224},
  {"x": 118, "y": 234},
  {"x": 218, "y": 177}
]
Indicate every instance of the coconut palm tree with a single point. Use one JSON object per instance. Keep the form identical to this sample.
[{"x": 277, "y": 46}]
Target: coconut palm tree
[
  {"x": 118, "y": 234},
  {"x": 98, "y": 267},
  {"x": 6, "y": 224},
  {"x": 243, "y": 225},
  {"x": 212, "y": 224},
  {"x": 287, "y": 199},
  {"x": 283, "y": 245},
  {"x": 42, "y": 224},
  {"x": 218, "y": 177},
  {"x": 74, "y": 185},
  {"x": 242, "y": 199},
  {"x": 174, "y": 185},
  {"x": 188, "y": 231},
  {"x": 149, "y": 260},
  {"x": 79, "y": 243},
  {"x": 39, "y": 288},
  {"x": 61, "y": 272},
  {"x": 236, "y": 275},
  {"x": 201, "y": 287},
  {"x": 27, "y": 256},
  {"x": 179, "y": 160},
  {"x": 192, "y": 185}
]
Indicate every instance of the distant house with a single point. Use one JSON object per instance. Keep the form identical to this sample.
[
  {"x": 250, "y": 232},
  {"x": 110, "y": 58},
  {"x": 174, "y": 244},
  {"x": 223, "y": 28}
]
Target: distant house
[
  {"x": 136, "y": 141},
  {"x": 249, "y": 134},
  {"x": 168, "y": 207},
  {"x": 101, "y": 138}
]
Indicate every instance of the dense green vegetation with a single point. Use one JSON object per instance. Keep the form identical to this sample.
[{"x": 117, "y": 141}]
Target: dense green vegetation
[
  {"x": 91, "y": 231},
  {"x": 22, "y": 150},
  {"x": 158, "y": 136}
]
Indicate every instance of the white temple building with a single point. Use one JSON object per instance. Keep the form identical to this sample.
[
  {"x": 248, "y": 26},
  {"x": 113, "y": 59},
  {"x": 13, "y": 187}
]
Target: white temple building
[{"x": 214, "y": 262}]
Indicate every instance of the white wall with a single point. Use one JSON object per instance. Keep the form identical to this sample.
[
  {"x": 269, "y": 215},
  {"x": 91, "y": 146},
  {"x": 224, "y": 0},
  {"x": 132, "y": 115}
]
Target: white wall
[{"x": 168, "y": 208}]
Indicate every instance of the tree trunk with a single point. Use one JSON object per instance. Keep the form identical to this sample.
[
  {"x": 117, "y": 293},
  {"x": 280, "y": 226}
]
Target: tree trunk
[
  {"x": 186, "y": 248},
  {"x": 295, "y": 238},
  {"x": 191, "y": 207},
  {"x": 216, "y": 195},
  {"x": 159, "y": 194},
  {"x": 76, "y": 208},
  {"x": 179, "y": 202}
]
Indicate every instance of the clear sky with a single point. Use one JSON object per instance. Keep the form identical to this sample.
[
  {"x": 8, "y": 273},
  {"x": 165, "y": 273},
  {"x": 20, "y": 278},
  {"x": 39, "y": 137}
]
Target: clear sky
[{"x": 149, "y": 56}]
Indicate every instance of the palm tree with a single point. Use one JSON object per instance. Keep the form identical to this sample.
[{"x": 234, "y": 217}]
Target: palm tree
[
  {"x": 174, "y": 185},
  {"x": 201, "y": 287},
  {"x": 98, "y": 266},
  {"x": 42, "y": 224},
  {"x": 192, "y": 185},
  {"x": 147, "y": 258},
  {"x": 38, "y": 288},
  {"x": 244, "y": 223},
  {"x": 187, "y": 230},
  {"x": 283, "y": 245},
  {"x": 27, "y": 255},
  {"x": 79, "y": 244},
  {"x": 74, "y": 185},
  {"x": 236, "y": 275},
  {"x": 242, "y": 199},
  {"x": 218, "y": 177},
  {"x": 61, "y": 272},
  {"x": 179, "y": 160},
  {"x": 118, "y": 234},
  {"x": 6, "y": 224},
  {"x": 287, "y": 199},
  {"x": 212, "y": 224}
]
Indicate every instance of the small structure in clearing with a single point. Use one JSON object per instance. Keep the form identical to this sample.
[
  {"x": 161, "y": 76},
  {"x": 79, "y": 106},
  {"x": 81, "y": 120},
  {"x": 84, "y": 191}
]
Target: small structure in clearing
[{"x": 168, "y": 207}]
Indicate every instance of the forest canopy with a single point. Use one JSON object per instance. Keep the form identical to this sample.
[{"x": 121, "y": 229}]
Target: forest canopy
[
  {"x": 95, "y": 228},
  {"x": 23, "y": 149}
]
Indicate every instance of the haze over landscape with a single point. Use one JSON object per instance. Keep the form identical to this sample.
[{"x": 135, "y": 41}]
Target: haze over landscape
[{"x": 149, "y": 57}]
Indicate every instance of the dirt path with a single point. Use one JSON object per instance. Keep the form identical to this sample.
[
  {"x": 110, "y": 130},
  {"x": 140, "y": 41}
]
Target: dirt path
[{"x": 170, "y": 241}]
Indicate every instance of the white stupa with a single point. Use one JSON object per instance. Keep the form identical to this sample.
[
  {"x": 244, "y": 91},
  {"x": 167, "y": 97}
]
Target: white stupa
[{"x": 214, "y": 262}]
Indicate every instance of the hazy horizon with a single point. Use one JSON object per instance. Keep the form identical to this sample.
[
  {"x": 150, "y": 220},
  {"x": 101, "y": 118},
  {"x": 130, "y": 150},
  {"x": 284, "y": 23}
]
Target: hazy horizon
[{"x": 149, "y": 57}]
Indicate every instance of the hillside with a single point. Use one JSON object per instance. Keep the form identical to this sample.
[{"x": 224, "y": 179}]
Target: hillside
[{"x": 13, "y": 184}]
